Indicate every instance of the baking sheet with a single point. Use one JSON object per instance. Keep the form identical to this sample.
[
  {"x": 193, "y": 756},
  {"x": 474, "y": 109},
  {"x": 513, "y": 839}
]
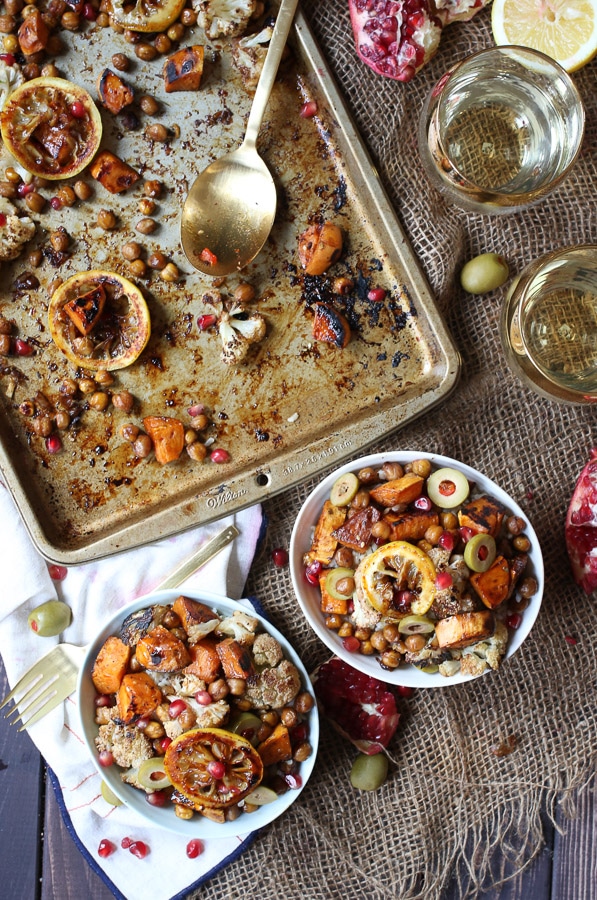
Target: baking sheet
[{"x": 296, "y": 405}]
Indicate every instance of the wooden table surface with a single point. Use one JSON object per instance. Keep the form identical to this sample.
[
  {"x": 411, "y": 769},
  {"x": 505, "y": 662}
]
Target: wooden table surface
[{"x": 40, "y": 861}]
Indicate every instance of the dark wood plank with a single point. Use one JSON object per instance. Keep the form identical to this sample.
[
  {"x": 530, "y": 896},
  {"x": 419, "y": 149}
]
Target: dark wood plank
[
  {"x": 21, "y": 778},
  {"x": 66, "y": 873},
  {"x": 575, "y": 852}
]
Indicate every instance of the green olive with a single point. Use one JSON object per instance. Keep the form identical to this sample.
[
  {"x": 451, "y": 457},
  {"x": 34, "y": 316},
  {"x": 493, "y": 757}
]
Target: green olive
[
  {"x": 152, "y": 774},
  {"x": 430, "y": 670},
  {"x": 344, "y": 489},
  {"x": 447, "y": 487},
  {"x": 484, "y": 273},
  {"x": 479, "y": 552},
  {"x": 109, "y": 795},
  {"x": 368, "y": 773},
  {"x": 246, "y": 724},
  {"x": 415, "y": 625},
  {"x": 261, "y": 796},
  {"x": 334, "y": 577},
  {"x": 50, "y": 618}
]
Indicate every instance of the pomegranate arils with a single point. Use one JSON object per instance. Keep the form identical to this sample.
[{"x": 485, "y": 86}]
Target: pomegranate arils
[
  {"x": 423, "y": 503},
  {"x": 8, "y": 58},
  {"x": 126, "y": 843},
  {"x": 176, "y": 708},
  {"x": 219, "y": 456},
  {"x": 77, "y": 109},
  {"x": 514, "y": 621},
  {"x": 195, "y": 848},
  {"x": 293, "y": 781},
  {"x": 106, "y": 758},
  {"x": 106, "y": 848},
  {"x": 360, "y": 707},
  {"x": 205, "y": 322},
  {"x": 280, "y": 557},
  {"x": 352, "y": 644},
  {"x": 53, "y": 444},
  {"x": 312, "y": 572},
  {"x": 376, "y": 295},
  {"x": 157, "y": 798},
  {"x": 103, "y": 700},
  {"x": 23, "y": 189},
  {"x": 2, "y": 220},
  {"x": 216, "y": 769},
  {"x": 203, "y": 698},
  {"x": 308, "y": 109},
  {"x": 56, "y": 203},
  {"x": 23, "y": 348},
  {"x": 570, "y": 640},
  {"x": 139, "y": 849},
  {"x": 581, "y": 527},
  {"x": 443, "y": 581},
  {"x": 57, "y": 573},
  {"x": 446, "y": 541},
  {"x": 404, "y": 690}
]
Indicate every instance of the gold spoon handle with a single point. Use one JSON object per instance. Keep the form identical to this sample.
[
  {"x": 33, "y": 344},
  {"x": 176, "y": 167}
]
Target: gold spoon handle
[
  {"x": 270, "y": 68},
  {"x": 203, "y": 555}
]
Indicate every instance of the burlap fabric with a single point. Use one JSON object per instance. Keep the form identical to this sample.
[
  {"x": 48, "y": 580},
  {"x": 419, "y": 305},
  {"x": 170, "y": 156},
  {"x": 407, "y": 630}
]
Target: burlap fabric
[{"x": 450, "y": 803}]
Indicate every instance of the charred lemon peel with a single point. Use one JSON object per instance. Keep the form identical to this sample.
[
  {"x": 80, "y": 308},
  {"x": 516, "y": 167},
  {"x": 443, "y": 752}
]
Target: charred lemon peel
[
  {"x": 52, "y": 127},
  {"x": 119, "y": 333},
  {"x": 145, "y": 15},
  {"x": 393, "y": 567},
  {"x": 212, "y": 768}
]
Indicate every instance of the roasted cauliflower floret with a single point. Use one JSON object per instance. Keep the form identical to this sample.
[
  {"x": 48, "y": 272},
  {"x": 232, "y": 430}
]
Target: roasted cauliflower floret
[
  {"x": 183, "y": 685},
  {"x": 224, "y": 18},
  {"x": 248, "y": 55},
  {"x": 364, "y": 615},
  {"x": 15, "y": 232},
  {"x": 215, "y": 715},
  {"x": 239, "y": 330},
  {"x": 485, "y": 654},
  {"x": 241, "y": 626},
  {"x": 266, "y": 650},
  {"x": 10, "y": 78},
  {"x": 129, "y": 746},
  {"x": 274, "y": 687}
]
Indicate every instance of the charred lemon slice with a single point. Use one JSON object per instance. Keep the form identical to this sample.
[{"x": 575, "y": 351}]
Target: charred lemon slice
[
  {"x": 52, "y": 127},
  {"x": 398, "y": 566},
  {"x": 99, "y": 320},
  {"x": 146, "y": 15},
  {"x": 213, "y": 768}
]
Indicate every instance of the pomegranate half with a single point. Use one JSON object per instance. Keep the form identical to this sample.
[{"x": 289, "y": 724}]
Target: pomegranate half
[{"x": 581, "y": 527}]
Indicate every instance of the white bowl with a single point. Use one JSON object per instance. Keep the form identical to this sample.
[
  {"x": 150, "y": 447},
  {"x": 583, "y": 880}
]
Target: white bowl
[
  {"x": 309, "y": 596},
  {"x": 198, "y": 826}
]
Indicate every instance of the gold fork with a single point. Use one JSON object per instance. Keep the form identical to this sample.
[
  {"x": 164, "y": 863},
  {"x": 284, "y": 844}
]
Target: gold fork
[{"x": 54, "y": 677}]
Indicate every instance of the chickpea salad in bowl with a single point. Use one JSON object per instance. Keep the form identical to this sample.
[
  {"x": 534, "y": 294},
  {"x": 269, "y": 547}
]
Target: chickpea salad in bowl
[
  {"x": 198, "y": 714},
  {"x": 416, "y": 569}
]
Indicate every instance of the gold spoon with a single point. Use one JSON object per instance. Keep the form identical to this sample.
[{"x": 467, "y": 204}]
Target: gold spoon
[{"x": 230, "y": 209}]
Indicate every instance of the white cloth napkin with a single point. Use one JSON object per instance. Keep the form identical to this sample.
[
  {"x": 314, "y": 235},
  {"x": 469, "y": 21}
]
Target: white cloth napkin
[{"x": 95, "y": 591}]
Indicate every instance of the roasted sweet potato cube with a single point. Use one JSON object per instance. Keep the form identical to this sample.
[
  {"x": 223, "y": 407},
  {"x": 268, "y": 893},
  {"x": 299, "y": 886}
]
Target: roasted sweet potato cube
[
  {"x": 110, "y": 666},
  {"x": 324, "y": 544},
  {"x": 184, "y": 69},
  {"x": 33, "y": 34},
  {"x": 138, "y": 696},
  {"x": 205, "y": 660},
  {"x": 277, "y": 747},
  {"x": 113, "y": 173},
  {"x": 517, "y": 566},
  {"x": 330, "y": 326},
  {"x": 493, "y": 586},
  {"x": 356, "y": 531},
  {"x": 167, "y": 435},
  {"x": 236, "y": 660},
  {"x": 162, "y": 651},
  {"x": 214, "y": 815},
  {"x": 398, "y": 490},
  {"x": 410, "y": 526},
  {"x": 464, "y": 629},
  {"x": 113, "y": 92},
  {"x": 331, "y": 604},
  {"x": 482, "y": 514},
  {"x": 85, "y": 311},
  {"x": 197, "y": 619}
]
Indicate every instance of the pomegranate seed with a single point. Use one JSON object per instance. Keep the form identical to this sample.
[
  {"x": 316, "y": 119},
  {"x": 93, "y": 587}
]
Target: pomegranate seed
[
  {"x": 164, "y": 743},
  {"x": 126, "y": 843},
  {"x": 443, "y": 581},
  {"x": 204, "y": 698},
  {"x": 205, "y": 322},
  {"x": 176, "y": 708},
  {"x": 157, "y": 798},
  {"x": 570, "y": 640},
  {"x": 219, "y": 456},
  {"x": 403, "y": 600},
  {"x": 376, "y": 295},
  {"x": 313, "y": 571},
  {"x": 53, "y": 444},
  {"x": 24, "y": 189},
  {"x": 423, "y": 503},
  {"x": 514, "y": 621},
  {"x": 280, "y": 556},
  {"x": 195, "y": 848},
  {"x": 90, "y": 12},
  {"x": 196, "y": 410},
  {"x": 446, "y": 541},
  {"x": 57, "y": 573},
  {"x": 2, "y": 220},
  {"x": 56, "y": 203},
  {"x": 102, "y": 700},
  {"x": 404, "y": 691},
  {"x": 308, "y": 109},
  {"x": 466, "y": 533},
  {"x": 216, "y": 769},
  {"x": 139, "y": 849},
  {"x": 106, "y": 759},
  {"x": 8, "y": 58},
  {"x": 351, "y": 643},
  {"x": 293, "y": 781},
  {"x": 106, "y": 848},
  {"x": 208, "y": 257},
  {"x": 23, "y": 348},
  {"x": 77, "y": 109},
  {"x": 142, "y": 723}
]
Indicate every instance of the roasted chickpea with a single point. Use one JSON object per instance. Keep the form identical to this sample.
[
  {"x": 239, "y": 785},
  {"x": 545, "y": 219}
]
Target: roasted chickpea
[
  {"x": 391, "y": 633},
  {"x": 289, "y": 717},
  {"x": 346, "y": 630},
  {"x": 344, "y": 557},
  {"x": 60, "y": 240},
  {"x": 86, "y": 385},
  {"x": 99, "y": 401},
  {"x": 148, "y": 105},
  {"x": 154, "y": 730},
  {"x": 433, "y": 534},
  {"x": 162, "y": 43},
  {"x": 449, "y": 521},
  {"x": 142, "y": 445},
  {"x": 146, "y": 206},
  {"x": 82, "y": 190},
  {"x": 35, "y": 201},
  {"x": 121, "y": 62},
  {"x": 390, "y": 659},
  {"x": 67, "y": 195},
  {"x": 521, "y": 543},
  {"x": 157, "y": 260},
  {"x": 421, "y": 467},
  {"x": 170, "y": 273},
  {"x": 106, "y": 219},
  {"x": 5, "y": 344},
  {"x": 415, "y": 642},
  {"x": 197, "y": 451},
  {"x": 157, "y": 132},
  {"x": 342, "y": 285},
  {"x": 244, "y": 292},
  {"x": 367, "y": 475},
  {"x": 177, "y": 30},
  {"x": 237, "y": 686},
  {"x": 145, "y": 51},
  {"x": 391, "y": 470},
  {"x": 333, "y": 621},
  {"x": 138, "y": 268},
  {"x": 515, "y": 525},
  {"x": 188, "y": 17},
  {"x": 304, "y": 702},
  {"x": 528, "y": 587},
  {"x": 303, "y": 751},
  {"x": 129, "y": 432},
  {"x": 381, "y": 530},
  {"x": 378, "y": 641},
  {"x": 146, "y": 226},
  {"x": 345, "y": 586},
  {"x": 219, "y": 689},
  {"x": 70, "y": 20},
  {"x": 270, "y": 717},
  {"x": 123, "y": 400}
]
